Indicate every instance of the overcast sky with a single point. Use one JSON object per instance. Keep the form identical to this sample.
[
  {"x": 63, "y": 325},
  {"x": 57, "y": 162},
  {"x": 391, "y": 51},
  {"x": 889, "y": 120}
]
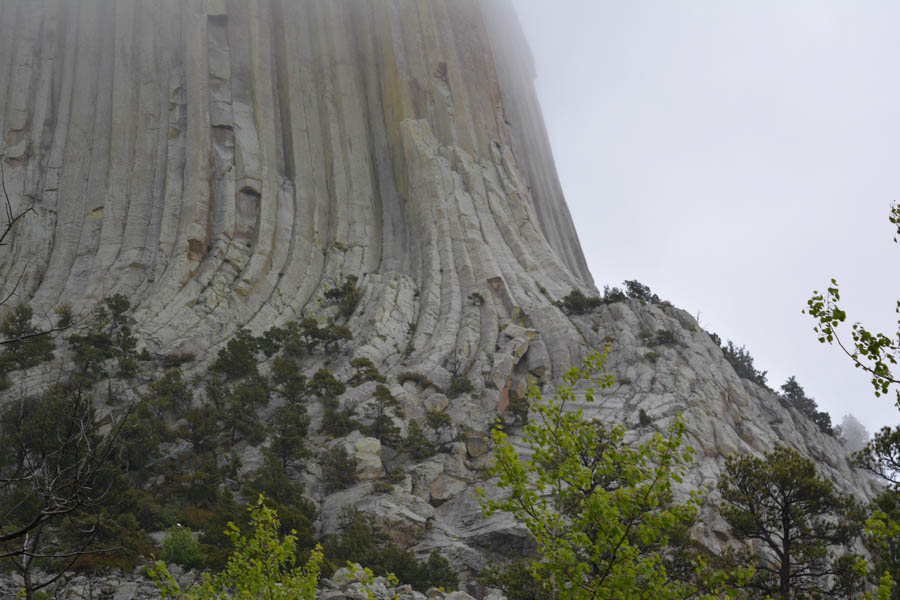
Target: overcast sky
[{"x": 734, "y": 156}]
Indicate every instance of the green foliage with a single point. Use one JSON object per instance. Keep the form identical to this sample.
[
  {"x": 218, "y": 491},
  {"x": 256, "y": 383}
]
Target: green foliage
[
  {"x": 57, "y": 467},
  {"x": 289, "y": 382},
  {"x": 577, "y": 303},
  {"x": 261, "y": 566},
  {"x": 25, "y": 345},
  {"x": 382, "y": 427},
  {"x": 416, "y": 444},
  {"x": 326, "y": 387},
  {"x": 652, "y": 356},
  {"x": 459, "y": 385},
  {"x": 613, "y": 294},
  {"x": 347, "y": 295},
  {"x": 331, "y": 336},
  {"x": 600, "y": 511},
  {"x": 794, "y": 394},
  {"x": 881, "y": 456},
  {"x": 338, "y": 469},
  {"x": 238, "y": 412},
  {"x": 795, "y": 517},
  {"x": 364, "y": 371},
  {"x": 237, "y": 360},
  {"x": 338, "y": 422},
  {"x": 438, "y": 421},
  {"x": 105, "y": 336},
  {"x": 877, "y": 354},
  {"x": 664, "y": 337},
  {"x": 518, "y": 409},
  {"x": 872, "y": 351},
  {"x": 288, "y": 428},
  {"x": 741, "y": 361},
  {"x": 515, "y": 580},
  {"x": 182, "y": 548},
  {"x": 64, "y": 315},
  {"x": 170, "y": 393},
  {"x": 118, "y": 306},
  {"x": 882, "y": 538},
  {"x": 174, "y": 360},
  {"x": 638, "y": 291},
  {"x": 296, "y": 512},
  {"x": 141, "y": 435},
  {"x": 201, "y": 428},
  {"x": 417, "y": 378},
  {"x": 476, "y": 299},
  {"x": 643, "y": 418},
  {"x": 362, "y": 541}
]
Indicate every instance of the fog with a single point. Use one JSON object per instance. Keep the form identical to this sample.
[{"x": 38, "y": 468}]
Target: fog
[{"x": 734, "y": 156}]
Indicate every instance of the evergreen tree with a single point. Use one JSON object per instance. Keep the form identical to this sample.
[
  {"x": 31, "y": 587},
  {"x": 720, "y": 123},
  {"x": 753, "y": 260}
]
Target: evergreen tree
[
  {"x": 796, "y": 517},
  {"x": 383, "y": 426},
  {"x": 25, "y": 346}
]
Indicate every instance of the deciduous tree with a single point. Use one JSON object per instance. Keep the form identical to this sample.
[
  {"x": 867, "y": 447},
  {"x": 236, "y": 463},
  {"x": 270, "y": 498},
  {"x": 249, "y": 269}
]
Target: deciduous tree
[
  {"x": 601, "y": 511},
  {"x": 262, "y": 565}
]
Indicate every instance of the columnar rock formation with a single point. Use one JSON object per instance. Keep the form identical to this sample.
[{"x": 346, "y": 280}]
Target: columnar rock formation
[
  {"x": 224, "y": 162},
  {"x": 221, "y": 163}
]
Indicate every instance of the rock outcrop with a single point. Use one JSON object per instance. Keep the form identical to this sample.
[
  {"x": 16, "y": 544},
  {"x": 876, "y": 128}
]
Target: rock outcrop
[{"x": 223, "y": 163}]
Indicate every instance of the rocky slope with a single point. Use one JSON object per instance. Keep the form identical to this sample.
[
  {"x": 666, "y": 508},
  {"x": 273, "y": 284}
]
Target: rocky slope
[{"x": 222, "y": 163}]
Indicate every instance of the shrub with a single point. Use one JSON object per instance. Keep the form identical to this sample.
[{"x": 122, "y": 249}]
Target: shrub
[
  {"x": 396, "y": 475},
  {"x": 416, "y": 444},
  {"x": 173, "y": 360},
  {"x": 643, "y": 418},
  {"x": 664, "y": 337},
  {"x": 415, "y": 377},
  {"x": 182, "y": 548},
  {"x": 518, "y": 409},
  {"x": 459, "y": 385},
  {"x": 613, "y": 294},
  {"x": 346, "y": 295},
  {"x": 638, "y": 291},
  {"x": 514, "y": 580},
  {"x": 476, "y": 299},
  {"x": 365, "y": 371},
  {"x": 576, "y": 303},
  {"x": 438, "y": 421}
]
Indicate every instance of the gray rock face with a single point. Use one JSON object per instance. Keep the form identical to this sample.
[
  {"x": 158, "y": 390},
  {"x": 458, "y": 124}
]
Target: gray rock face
[{"x": 222, "y": 163}]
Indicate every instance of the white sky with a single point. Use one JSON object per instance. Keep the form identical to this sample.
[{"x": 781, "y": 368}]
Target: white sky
[{"x": 734, "y": 156}]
